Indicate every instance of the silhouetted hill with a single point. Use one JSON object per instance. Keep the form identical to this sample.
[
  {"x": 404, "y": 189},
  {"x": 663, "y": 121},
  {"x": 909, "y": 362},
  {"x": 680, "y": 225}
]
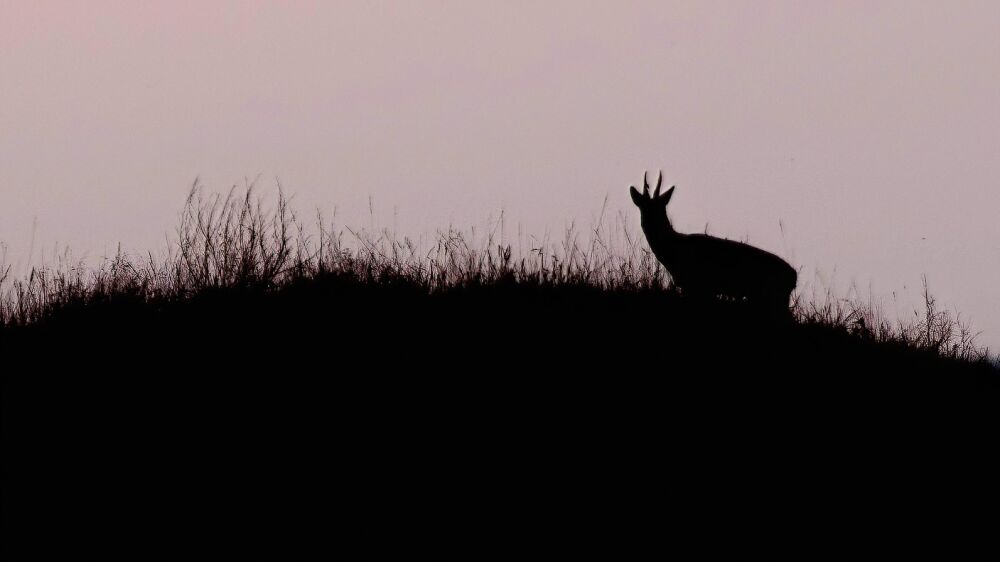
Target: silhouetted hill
[{"x": 369, "y": 411}]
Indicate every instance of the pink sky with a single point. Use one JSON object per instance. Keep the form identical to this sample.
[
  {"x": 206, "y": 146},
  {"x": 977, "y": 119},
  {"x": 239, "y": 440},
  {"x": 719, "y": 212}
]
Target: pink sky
[{"x": 871, "y": 130}]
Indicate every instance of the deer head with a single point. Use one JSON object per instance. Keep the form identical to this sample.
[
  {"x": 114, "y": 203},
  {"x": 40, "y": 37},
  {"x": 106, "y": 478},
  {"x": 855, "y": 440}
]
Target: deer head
[{"x": 652, "y": 208}]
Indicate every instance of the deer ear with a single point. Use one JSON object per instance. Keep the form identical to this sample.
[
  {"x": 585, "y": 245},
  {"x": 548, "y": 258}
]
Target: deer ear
[
  {"x": 665, "y": 198},
  {"x": 636, "y": 198}
]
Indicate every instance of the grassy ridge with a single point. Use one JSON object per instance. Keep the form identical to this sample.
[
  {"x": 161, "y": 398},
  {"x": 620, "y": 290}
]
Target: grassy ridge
[
  {"x": 234, "y": 243},
  {"x": 262, "y": 392}
]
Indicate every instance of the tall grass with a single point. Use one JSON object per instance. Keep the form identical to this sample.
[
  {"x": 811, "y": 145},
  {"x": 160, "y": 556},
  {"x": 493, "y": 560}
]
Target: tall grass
[
  {"x": 931, "y": 328},
  {"x": 237, "y": 241}
]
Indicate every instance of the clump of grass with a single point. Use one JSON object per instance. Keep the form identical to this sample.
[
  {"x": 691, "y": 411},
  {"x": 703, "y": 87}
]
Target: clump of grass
[
  {"x": 235, "y": 241},
  {"x": 232, "y": 240},
  {"x": 932, "y": 329}
]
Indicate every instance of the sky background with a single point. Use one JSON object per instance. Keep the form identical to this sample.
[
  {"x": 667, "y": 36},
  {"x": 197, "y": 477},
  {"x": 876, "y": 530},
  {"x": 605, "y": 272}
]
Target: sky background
[{"x": 870, "y": 130}]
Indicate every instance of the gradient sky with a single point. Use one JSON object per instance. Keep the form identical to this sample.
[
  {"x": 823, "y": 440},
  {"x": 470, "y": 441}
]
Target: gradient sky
[{"x": 871, "y": 130}]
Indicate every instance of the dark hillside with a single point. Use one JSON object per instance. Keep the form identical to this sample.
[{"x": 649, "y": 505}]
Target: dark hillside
[{"x": 354, "y": 407}]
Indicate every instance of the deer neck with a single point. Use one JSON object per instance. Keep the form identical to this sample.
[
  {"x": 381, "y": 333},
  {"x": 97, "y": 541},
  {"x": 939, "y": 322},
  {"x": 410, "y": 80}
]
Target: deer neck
[{"x": 660, "y": 235}]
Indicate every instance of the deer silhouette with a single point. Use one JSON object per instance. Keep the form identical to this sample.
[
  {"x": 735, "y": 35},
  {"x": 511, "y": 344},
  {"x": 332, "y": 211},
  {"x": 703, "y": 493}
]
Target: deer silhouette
[{"x": 706, "y": 266}]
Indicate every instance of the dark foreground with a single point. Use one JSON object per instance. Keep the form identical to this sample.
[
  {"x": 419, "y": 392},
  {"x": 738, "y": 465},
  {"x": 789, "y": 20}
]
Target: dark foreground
[{"x": 338, "y": 420}]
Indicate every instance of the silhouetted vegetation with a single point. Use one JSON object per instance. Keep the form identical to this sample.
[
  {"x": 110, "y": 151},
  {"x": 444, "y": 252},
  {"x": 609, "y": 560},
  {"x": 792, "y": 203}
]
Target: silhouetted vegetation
[
  {"x": 271, "y": 387},
  {"x": 234, "y": 243}
]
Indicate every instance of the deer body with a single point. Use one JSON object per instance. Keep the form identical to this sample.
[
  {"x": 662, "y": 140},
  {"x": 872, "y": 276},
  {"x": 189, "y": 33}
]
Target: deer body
[{"x": 704, "y": 265}]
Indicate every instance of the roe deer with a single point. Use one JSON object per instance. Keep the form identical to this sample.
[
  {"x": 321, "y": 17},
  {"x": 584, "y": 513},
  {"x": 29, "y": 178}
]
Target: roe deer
[{"x": 704, "y": 265}]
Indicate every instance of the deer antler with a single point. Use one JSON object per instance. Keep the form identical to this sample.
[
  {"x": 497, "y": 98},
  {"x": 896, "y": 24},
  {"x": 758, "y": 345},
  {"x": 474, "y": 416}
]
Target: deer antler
[{"x": 659, "y": 182}]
